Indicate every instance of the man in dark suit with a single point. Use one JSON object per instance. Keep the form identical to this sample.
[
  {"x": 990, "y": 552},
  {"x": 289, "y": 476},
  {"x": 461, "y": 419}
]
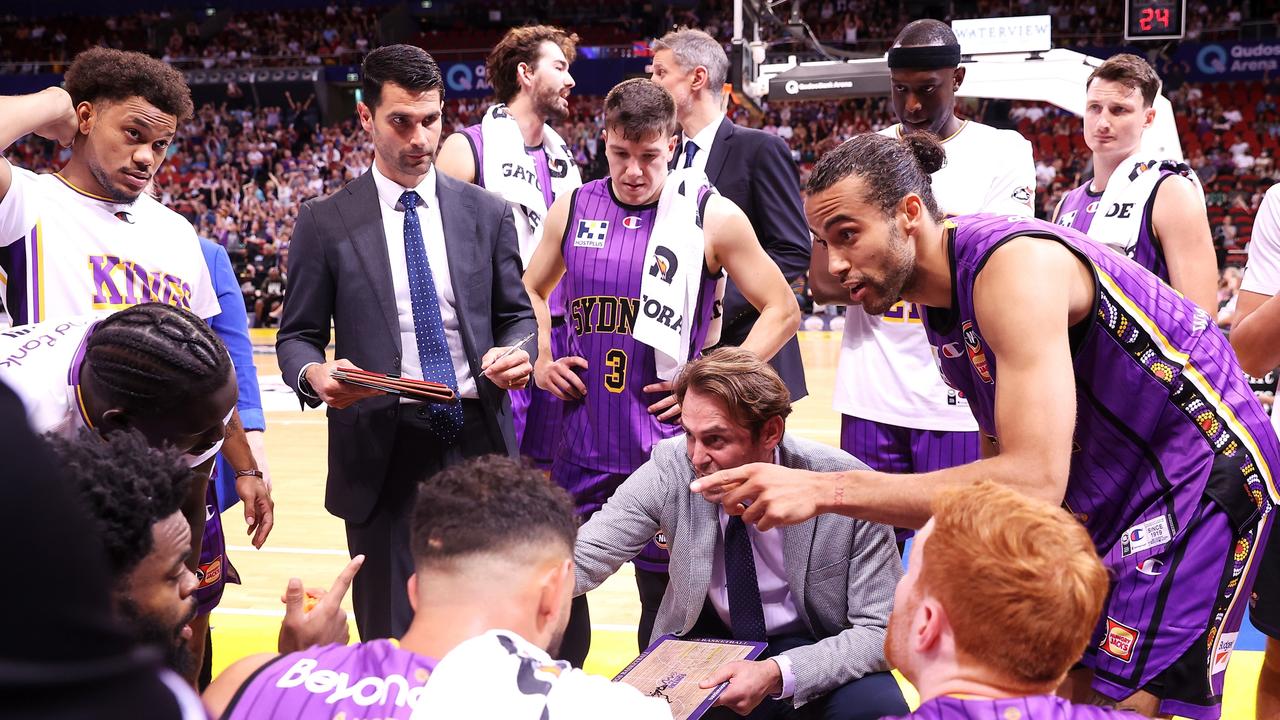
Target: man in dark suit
[
  {"x": 752, "y": 168},
  {"x": 420, "y": 276}
]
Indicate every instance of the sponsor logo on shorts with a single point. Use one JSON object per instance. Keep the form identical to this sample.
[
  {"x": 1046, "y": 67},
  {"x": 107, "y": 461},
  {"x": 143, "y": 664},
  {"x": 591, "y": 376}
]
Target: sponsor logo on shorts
[
  {"x": 1222, "y": 652},
  {"x": 1150, "y": 534},
  {"x": 973, "y": 344},
  {"x": 209, "y": 573},
  {"x": 1119, "y": 641},
  {"x": 661, "y": 540}
]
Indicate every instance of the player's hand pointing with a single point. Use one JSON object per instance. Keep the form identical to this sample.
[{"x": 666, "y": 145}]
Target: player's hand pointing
[
  {"x": 765, "y": 494},
  {"x": 319, "y": 623}
]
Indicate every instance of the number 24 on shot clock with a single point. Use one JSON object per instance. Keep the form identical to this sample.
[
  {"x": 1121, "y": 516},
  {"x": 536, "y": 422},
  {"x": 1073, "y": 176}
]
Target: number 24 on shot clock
[{"x": 1154, "y": 19}]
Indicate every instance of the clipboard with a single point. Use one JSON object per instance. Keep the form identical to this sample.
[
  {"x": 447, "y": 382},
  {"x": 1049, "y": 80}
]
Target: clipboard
[
  {"x": 416, "y": 389},
  {"x": 672, "y": 667}
]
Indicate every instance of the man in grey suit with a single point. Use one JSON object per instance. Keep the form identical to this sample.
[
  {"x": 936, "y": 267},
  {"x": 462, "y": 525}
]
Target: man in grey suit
[
  {"x": 818, "y": 593},
  {"x": 419, "y": 275}
]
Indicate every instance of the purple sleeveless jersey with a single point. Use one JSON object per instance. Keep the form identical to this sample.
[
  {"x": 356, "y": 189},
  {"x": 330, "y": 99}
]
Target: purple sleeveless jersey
[
  {"x": 604, "y": 246},
  {"x": 365, "y": 680},
  {"x": 537, "y": 413},
  {"x": 1171, "y": 469},
  {"x": 1033, "y": 707},
  {"x": 1077, "y": 211}
]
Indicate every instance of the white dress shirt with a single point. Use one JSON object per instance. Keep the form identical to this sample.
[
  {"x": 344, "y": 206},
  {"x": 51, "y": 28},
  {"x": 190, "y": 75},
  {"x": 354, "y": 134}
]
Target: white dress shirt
[
  {"x": 704, "y": 139},
  {"x": 389, "y": 193},
  {"x": 781, "y": 617}
]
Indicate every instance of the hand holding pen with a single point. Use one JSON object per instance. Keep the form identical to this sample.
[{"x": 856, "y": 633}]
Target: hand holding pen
[{"x": 508, "y": 367}]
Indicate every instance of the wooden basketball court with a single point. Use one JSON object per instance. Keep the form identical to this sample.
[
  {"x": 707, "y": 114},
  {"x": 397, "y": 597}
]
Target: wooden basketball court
[{"x": 309, "y": 543}]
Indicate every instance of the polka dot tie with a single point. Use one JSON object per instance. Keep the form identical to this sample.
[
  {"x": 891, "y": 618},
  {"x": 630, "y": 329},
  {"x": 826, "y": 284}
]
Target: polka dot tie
[
  {"x": 746, "y": 614},
  {"x": 428, "y": 328}
]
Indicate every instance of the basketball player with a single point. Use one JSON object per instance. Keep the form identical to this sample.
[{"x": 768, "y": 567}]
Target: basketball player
[
  {"x": 493, "y": 558},
  {"x": 89, "y": 238},
  {"x": 157, "y": 369},
  {"x": 1101, "y": 387},
  {"x": 529, "y": 165},
  {"x": 908, "y": 419},
  {"x": 1255, "y": 336},
  {"x": 986, "y": 624},
  {"x": 638, "y": 262},
  {"x": 1150, "y": 209}
]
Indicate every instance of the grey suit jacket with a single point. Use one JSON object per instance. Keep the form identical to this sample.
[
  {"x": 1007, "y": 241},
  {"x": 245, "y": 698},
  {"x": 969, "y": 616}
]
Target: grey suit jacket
[
  {"x": 340, "y": 275},
  {"x": 842, "y": 572}
]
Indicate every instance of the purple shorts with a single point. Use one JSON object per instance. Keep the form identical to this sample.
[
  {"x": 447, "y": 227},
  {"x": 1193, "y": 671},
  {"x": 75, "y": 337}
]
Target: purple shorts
[
  {"x": 537, "y": 413},
  {"x": 214, "y": 569},
  {"x": 895, "y": 449}
]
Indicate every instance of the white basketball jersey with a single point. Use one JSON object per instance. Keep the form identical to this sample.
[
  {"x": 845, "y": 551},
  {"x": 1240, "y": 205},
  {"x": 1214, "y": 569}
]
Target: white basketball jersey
[
  {"x": 41, "y": 363},
  {"x": 67, "y": 253},
  {"x": 887, "y": 371}
]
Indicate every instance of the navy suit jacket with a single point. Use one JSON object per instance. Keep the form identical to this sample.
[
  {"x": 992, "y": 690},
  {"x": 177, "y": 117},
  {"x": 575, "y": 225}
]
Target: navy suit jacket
[{"x": 754, "y": 169}]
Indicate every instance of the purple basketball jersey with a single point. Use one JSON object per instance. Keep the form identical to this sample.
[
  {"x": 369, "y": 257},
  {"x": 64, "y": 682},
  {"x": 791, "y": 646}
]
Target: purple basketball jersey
[
  {"x": 1080, "y": 205},
  {"x": 371, "y": 679},
  {"x": 1159, "y": 392},
  {"x": 536, "y": 413},
  {"x": 1171, "y": 464},
  {"x": 604, "y": 247},
  {"x": 1032, "y": 707}
]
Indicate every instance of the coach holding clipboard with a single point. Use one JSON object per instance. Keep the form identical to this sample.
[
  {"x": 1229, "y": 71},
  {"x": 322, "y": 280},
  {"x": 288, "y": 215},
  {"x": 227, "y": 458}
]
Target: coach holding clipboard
[{"x": 420, "y": 276}]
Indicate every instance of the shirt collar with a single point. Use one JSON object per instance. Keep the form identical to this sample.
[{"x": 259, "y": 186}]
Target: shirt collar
[
  {"x": 389, "y": 191},
  {"x": 707, "y": 135}
]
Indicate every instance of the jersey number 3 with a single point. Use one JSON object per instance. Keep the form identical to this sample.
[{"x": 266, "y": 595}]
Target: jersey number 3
[{"x": 616, "y": 380}]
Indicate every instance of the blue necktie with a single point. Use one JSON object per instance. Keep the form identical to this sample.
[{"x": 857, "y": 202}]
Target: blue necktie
[
  {"x": 746, "y": 614},
  {"x": 690, "y": 149},
  {"x": 428, "y": 328}
]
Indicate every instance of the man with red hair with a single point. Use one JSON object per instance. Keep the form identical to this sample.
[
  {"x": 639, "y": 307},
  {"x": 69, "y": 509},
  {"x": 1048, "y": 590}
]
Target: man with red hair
[{"x": 1002, "y": 595}]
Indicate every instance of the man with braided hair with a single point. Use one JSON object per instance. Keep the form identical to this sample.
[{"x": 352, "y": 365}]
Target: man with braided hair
[{"x": 156, "y": 369}]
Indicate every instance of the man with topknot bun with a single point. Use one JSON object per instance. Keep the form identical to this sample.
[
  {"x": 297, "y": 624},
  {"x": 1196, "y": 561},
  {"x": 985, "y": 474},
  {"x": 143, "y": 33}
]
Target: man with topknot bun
[{"x": 1098, "y": 387}]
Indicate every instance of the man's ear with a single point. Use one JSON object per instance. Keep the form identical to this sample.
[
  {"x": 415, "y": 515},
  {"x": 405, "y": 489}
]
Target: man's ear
[
  {"x": 929, "y": 626},
  {"x": 771, "y": 432},
  {"x": 86, "y": 116},
  {"x": 557, "y": 584},
  {"x": 366, "y": 116},
  {"x": 958, "y": 77},
  {"x": 411, "y": 587},
  {"x": 112, "y": 420}
]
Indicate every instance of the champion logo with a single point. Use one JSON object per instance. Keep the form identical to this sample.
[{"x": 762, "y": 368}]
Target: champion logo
[
  {"x": 631, "y": 222},
  {"x": 1151, "y": 566},
  {"x": 952, "y": 350}
]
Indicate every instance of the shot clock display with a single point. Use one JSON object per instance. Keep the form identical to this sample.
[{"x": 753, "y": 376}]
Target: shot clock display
[{"x": 1154, "y": 19}]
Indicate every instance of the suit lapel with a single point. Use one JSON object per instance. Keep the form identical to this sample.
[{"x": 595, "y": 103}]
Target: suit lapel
[
  {"x": 705, "y": 519},
  {"x": 362, "y": 216},
  {"x": 720, "y": 150},
  {"x": 462, "y": 246}
]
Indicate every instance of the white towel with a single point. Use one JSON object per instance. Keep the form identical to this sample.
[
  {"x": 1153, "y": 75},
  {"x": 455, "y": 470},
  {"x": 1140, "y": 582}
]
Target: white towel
[
  {"x": 677, "y": 253},
  {"x": 1118, "y": 220},
  {"x": 509, "y": 171}
]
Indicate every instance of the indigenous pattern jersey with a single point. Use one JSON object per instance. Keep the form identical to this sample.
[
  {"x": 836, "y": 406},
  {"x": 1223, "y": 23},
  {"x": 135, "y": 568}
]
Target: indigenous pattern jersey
[
  {"x": 1080, "y": 205},
  {"x": 66, "y": 253},
  {"x": 987, "y": 170},
  {"x": 604, "y": 246},
  {"x": 373, "y": 679},
  {"x": 1033, "y": 707},
  {"x": 1160, "y": 397}
]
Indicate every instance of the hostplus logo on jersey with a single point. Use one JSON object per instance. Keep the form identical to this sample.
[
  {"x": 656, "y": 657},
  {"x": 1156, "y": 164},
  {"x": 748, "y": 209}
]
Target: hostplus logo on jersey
[
  {"x": 591, "y": 234},
  {"x": 363, "y": 691}
]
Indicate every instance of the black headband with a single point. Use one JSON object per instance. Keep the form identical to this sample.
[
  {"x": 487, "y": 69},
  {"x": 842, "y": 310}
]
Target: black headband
[{"x": 924, "y": 57}]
